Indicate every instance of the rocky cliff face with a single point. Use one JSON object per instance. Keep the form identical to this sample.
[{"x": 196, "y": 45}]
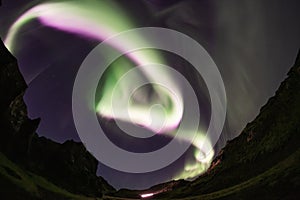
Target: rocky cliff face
[
  {"x": 264, "y": 161},
  {"x": 67, "y": 165}
]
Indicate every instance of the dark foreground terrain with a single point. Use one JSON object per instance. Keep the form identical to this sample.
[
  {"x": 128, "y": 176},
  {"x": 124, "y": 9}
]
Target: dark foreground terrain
[{"x": 262, "y": 163}]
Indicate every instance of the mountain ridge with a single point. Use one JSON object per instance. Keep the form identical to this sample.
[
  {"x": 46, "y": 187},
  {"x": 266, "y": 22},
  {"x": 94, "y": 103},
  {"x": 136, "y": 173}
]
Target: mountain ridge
[
  {"x": 265, "y": 142},
  {"x": 68, "y": 166}
]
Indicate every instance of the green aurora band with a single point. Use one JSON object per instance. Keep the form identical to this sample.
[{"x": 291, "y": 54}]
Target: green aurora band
[{"x": 103, "y": 19}]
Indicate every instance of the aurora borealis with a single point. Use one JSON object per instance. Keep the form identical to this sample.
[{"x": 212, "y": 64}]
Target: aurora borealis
[
  {"x": 82, "y": 19},
  {"x": 98, "y": 20}
]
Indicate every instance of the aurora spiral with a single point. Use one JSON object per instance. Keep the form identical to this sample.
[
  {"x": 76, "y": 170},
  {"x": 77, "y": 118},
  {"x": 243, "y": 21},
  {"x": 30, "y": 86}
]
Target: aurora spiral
[{"x": 101, "y": 20}]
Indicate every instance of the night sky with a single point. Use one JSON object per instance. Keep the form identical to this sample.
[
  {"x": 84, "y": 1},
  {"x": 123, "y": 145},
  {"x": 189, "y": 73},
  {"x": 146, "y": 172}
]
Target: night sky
[{"x": 254, "y": 43}]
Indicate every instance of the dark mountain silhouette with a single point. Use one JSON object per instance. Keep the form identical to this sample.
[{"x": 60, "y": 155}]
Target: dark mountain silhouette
[
  {"x": 33, "y": 166},
  {"x": 263, "y": 162}
]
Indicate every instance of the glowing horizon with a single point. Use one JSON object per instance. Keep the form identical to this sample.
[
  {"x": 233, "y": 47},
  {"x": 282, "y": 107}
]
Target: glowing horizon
[{"x": 147, "y": 195}]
